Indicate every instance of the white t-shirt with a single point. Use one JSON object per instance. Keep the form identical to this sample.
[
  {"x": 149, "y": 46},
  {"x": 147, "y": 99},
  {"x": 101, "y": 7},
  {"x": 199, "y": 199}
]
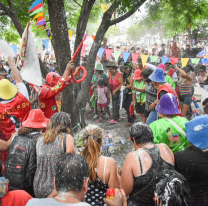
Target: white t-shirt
[
  {"x": 20, "y": 88},
  {"x": 52, "y": 202}
]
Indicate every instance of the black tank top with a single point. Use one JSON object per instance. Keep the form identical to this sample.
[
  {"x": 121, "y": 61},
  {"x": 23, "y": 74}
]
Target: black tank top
[{"x": 143, "y": 191}]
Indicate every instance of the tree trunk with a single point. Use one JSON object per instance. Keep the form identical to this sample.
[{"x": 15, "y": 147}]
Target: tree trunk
[
  {"x": 190, "y": 37},
  {"x": 57, "y": 16}
]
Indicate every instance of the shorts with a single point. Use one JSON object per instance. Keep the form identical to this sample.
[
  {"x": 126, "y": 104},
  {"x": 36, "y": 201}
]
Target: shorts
[
  {"x": 102, "y": 105},
  {"x": 140, "y": 107},
  {"x": 186, "y": 99},
  {"x": 146, "y": 113}
]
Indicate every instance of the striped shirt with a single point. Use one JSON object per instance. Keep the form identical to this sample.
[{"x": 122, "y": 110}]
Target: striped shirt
[
  {"x": 184, "y": 88},
  {"x": 151, "y": 95}
]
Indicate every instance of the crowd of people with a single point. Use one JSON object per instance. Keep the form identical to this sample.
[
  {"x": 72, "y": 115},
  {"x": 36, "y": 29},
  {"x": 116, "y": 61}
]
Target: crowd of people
[{"x": 169, "y": 162}]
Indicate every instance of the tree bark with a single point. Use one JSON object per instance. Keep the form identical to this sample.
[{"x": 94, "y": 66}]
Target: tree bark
[
  {"x": 57, "y": 16},
  {"x": 190, "y": 37}
]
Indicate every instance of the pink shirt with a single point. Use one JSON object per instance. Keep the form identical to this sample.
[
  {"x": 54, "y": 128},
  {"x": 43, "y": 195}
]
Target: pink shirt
[
  {"x": 114, "y": 84},
  {"x": 201, "y": 79},
  {"x": 102, "y": 99}
]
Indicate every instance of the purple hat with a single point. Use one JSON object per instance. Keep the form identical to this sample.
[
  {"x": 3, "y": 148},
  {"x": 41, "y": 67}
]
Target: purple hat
[{"x": 168, "y": 105}]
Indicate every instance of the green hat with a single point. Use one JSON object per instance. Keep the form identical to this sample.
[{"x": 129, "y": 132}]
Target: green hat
[
  {"x": 112, "y": 64},
  {"x": 99, "y": 67}
]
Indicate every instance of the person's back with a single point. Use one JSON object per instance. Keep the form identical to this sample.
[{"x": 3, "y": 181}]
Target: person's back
[
  {"x": 142, "y": 166},
  {"x": 192, "y": 163},
  {"x": 21, "y": 161},
  {"x": 103, "y": 170},
  {"x": 150, "y": 161},
  {"x": 49, "y": 148}
]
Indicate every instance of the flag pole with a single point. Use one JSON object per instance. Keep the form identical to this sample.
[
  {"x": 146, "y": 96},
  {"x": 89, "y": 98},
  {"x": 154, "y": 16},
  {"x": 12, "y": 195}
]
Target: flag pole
[{"x": 23, "y": 36}]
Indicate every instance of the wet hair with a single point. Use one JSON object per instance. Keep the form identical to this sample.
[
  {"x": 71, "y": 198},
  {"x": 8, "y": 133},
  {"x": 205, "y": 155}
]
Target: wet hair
[
  {"x": 202, "y": 67},
  {"x": 92, "y": 139},
  {"x": 171, "y": 189},
  {"x": 205, "y": 101},
  {"x": 100, "y": 82},
  {"x": 190, "y": 67},
  {"x": 141, "y": 132},
  {"x": 205, "y": 104},
  {"x": 146, "y": 73},
  {"x": 25, "y": 130},
  {"x": 188, "y": 45},
  {"x": 71, "y": 171},
  {"x": 60, "y": 124}
]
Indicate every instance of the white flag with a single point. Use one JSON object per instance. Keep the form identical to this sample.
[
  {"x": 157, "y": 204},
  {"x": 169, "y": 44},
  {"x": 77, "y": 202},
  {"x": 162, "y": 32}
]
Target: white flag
[{"x": 31, "y": 68}]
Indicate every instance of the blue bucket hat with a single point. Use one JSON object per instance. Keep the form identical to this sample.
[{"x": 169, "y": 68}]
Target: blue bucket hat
[
  {"x": 167, "y": 105},
  {"x": 158, "y": 76},
  {"x": 197, "y": 130}
]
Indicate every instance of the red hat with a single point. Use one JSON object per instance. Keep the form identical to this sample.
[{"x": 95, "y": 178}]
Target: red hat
[
  {"x": 52, "y": 78},
  {"x": 36, "y": 119},
  {"x": 137, "y": 74}
]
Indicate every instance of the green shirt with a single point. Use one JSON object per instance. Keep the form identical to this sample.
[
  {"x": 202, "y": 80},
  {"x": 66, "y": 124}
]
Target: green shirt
[
  {"x": 162, "y": 135},
  {"x": 142, "y": 95},
  {"x": 103, "y": 76},
  {"x": 170, "y": 81}
]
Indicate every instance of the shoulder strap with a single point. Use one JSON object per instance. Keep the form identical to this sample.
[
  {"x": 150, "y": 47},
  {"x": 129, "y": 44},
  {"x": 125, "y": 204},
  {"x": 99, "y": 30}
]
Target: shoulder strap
[
  {"x": 176, "y": 126},
  {"x": 104, "y": 171},
  {"x": 64, "y": 142}
]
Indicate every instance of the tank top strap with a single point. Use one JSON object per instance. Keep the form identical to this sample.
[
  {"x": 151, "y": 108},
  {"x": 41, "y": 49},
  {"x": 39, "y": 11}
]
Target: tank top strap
[
  {"x": 154, "y": 153},
  {"x": 104, "y": 171}
]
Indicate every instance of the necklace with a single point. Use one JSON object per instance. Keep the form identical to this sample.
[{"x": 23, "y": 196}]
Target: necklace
[{"x": 69, "y": 194}]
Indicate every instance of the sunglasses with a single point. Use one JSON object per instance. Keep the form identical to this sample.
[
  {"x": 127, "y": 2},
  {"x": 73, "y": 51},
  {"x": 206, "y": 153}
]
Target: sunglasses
[{"x": 201, "y": 71}]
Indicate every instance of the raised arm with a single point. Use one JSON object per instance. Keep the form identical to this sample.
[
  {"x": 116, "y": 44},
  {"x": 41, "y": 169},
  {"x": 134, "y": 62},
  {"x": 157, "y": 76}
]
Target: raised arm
[{"x": 15, "y": 72}]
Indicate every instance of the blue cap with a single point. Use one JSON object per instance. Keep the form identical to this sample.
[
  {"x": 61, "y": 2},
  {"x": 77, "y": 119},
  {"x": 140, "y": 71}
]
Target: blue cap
[
  {"x": 158, "y": 76},
  {"x": 197, "y": 130}
]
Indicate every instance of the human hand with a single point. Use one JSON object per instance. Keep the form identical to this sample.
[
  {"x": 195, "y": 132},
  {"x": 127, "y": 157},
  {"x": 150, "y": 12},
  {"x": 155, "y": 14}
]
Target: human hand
[
  {"x": 70, "y": 65},
  {"x": 114, "y": 92},
  {"x": 132, "y": 103},
  {"x": 134, "y": 88},
  {"x": 152, "y": 106},
  {"x": 77, "y": 71},
  {"x": 118, "y": 200}
]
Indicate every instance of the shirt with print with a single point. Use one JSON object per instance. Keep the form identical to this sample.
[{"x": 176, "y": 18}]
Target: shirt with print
[
  {"x": 142, "y": 95},
  {"x": 102, "y": 92},
  {"x": 151, "y": 95}
]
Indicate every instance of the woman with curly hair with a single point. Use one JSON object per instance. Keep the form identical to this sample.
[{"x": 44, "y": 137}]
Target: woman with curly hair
[
  {"x": 102, "y": 170},
  {"x": 50, "y": 146}
]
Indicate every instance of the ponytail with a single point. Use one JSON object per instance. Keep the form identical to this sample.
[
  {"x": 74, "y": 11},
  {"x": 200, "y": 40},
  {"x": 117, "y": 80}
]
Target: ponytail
[{"x": 92, "y": 139}]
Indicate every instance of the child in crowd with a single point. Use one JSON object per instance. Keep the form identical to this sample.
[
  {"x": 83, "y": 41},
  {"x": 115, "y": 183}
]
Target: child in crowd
[
  {"x": 138, "y": 94},
  {"x": 103, "y": 98}
]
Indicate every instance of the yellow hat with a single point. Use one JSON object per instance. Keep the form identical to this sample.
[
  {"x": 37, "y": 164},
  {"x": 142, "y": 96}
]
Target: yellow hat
[{"x": 7, "y": 89}]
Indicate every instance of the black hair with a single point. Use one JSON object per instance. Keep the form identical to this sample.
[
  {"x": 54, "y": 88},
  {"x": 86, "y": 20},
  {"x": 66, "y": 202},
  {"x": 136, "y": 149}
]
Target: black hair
[
  {"x": 100, "y": 82},
  {"x": 139, "y": 60},
  {"x": 202, "y": 67},
  {"x": 146, "y": 73},
  {"x": 188, "y": 45},
  {"x": 71, "y": 171},
  {"x": 190, "y": 67},
  {"x": 171, "y": 189},
  {"x": 141, "y": 132},
  {"x": 187, "y": 69},
  {"x": 205, "y": 101}
]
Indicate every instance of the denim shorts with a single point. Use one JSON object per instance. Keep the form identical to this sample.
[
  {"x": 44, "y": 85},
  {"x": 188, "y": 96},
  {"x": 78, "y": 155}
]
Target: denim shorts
[{"x": 186, "y": 99}]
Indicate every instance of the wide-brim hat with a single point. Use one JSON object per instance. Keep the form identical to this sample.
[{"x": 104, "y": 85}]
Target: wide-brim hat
[
  {"x": 99, "y": 67},
  {"x": 36, "y": 119},
  {"x": 7, "y": 89},
  {"x": 167, "y": 105},
  {"x": 197, "y": 130},
  {"x": 158, "y": 76},
  {"x": 112, "y": 64}
]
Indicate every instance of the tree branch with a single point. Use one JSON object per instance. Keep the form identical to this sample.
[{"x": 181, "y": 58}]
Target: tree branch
[
  {"x": 3, "y": 13},
  {"x": 3, "y": 7},
  {"x": 77, "y": 3},
  {"x": 128, "y": 14}
]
